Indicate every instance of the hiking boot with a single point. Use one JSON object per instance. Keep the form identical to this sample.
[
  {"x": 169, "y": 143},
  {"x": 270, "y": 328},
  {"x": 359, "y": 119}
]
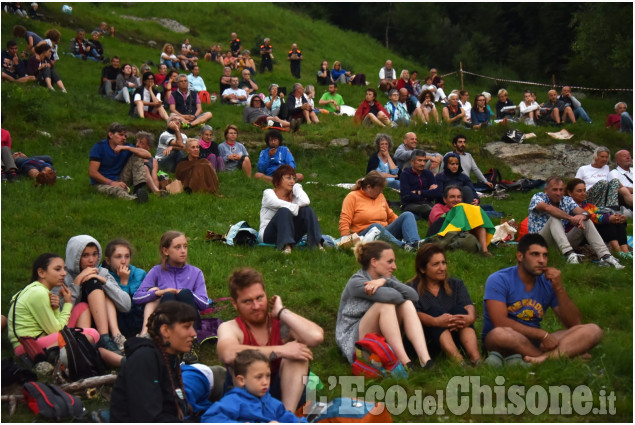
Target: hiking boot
[
  {"x": 142, "y": 195},
  {"x": 119, "y": 340},
  {"x": 574, "y": 258},
  {"x": 107, "y": 343},
  {"x": 610, "y": 260},
  {"x": 193, "y": 355}
]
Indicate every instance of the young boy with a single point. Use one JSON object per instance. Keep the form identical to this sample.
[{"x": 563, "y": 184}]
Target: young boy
[{"x": 250, "y": 400}]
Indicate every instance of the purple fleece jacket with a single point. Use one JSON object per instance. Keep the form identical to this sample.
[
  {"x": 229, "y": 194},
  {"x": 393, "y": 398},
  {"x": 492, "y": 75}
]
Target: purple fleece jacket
[{"x": 186, "y": 277}]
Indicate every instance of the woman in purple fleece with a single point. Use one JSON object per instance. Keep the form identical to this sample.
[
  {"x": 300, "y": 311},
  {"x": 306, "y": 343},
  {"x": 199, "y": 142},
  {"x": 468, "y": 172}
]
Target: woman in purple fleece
[{"x": 173, "y": 279}]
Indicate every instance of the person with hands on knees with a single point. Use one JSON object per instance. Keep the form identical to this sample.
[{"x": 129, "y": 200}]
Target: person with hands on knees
[
  {"x": 172, "y": 280},
  {"x": 444, "y": 307},
  {"x": 515, "y": 302},
  {"x": 374, "y": 301},
  {"x": 266, "y": 325},
  {"x": 94, "y": 285},
  {"x": 250, "y": 400}
]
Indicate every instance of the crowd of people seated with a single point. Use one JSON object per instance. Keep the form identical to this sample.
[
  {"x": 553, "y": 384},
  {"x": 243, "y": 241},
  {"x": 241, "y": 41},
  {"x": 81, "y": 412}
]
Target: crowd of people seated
[{"x": 152, "y": 317}]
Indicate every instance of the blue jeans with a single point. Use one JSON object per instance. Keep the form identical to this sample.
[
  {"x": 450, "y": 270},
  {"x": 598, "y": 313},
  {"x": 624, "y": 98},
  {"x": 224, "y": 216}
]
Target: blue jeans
[
  {"x": 170, "y": 64},
  {"x": 626, "y": 123},
  {"x": 580, "y": 113},
  {"x": 404, "y": 227}
]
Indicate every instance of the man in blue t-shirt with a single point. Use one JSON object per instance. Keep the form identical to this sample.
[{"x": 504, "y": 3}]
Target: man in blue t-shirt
[
  {"x": 515, "y": 302},
  {"x": 114, "y": 165}
]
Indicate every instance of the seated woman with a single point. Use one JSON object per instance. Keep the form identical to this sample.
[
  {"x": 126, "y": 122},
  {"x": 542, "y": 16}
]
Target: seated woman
[
  {"x": 365, "y": 208},
  {"x": 35, "y": 312},
  {"x": 374, "y": 301},
  {"x": 528, "y": 108},
  {"x": 285, "y": 216},
  {"x": 248, "y": 62},
  {"x": 117, "y": 258},
  {"x": 92, "y": 284},
  {"x": 234, "y": 153},
  {"x": 383, "y": 162},
  {"x": 257, "y": 113},
  {"x": 168, "y": 57},
  {"x": 601, "y": 191},
  {"x": 610, "y": 225},
  {"x": 309, "y": 93},
  {"x": 452, "y": 175},
  {"x": 170, "y": 86},
  {"x": 126, "y": 84},
  {"x": 146, "y": 102},
  {"x": 427, "y": 107},
  {"x": 415, "y": 83},
  {"x": 274, "y": 156},
  {"x": 397, "y": 111},
  {"x": 197, "y": 174},
  {"x": 172, "y": 280},
  {"x": 439, "y": 94},
  {"x": 479, "y": 113},
  {"x": 40, "y": 66},
  {"x": 340, "y": 75},
  {"x": 509, "y": 111},
  {"x": 149, "y": 387},
  {"x": 404, "y": 83},
  {"x": 324, "y": 77},
  {"x": 464, "y": 101},
  {"x": 209, "y": 148},
  {"x": 275, "y": 101},
  {"x": 452, "y": 113},
  {"x": 444, "y": 307}
]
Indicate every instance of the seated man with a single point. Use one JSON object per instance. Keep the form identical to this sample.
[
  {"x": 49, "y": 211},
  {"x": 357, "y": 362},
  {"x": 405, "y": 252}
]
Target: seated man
[
  {"x": 14, "y": 68},
  {"x": 171, "y": 146},
  {"x": 387, "y": 77},
  {"x": 299, "y": 108},
  {"x": 266, "y": 325},
  {"x": 403, "y": 153},
  {"x": 548, "y": 212},
  {"x": 624, "y": 173},
  {"x": 418, "y": 187},
  {"x": 332, "y": 100},
  {"x": 81, "y": 49},
  {"x": 570, "y": 100},
  {"x": 247, "y": 83},
  {"x": 273, "y": 156},
  {"x": 452, "y": 197},
  {"x": 109, "y": 75},
  {"x": 186, "y": 105},
  {"x": 187, "y": 60},
  {"x": 411, "y": 105},
  {"x": 114, "y": 165},
  {"x": 555, "y": 110},
  {"x": 371, "y": 112},
  {"x": 515, "y": 302},
  {"x": 621, "y": 120},
  {"x": 234, "y": 95}
]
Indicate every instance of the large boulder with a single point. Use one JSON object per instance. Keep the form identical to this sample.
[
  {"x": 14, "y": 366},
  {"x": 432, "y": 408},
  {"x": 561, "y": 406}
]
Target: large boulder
[{"x": 540, "y": 162}]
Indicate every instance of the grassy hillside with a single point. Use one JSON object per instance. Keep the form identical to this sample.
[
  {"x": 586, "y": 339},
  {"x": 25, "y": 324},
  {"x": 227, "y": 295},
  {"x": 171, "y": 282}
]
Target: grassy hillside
[{"x": 37, "y": 220}]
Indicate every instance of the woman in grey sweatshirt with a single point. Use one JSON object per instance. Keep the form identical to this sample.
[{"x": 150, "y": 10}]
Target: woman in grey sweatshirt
[{"x": 374, "y": 301}]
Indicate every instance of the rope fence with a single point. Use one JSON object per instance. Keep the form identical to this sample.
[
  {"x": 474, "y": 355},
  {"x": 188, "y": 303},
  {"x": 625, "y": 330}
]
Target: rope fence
[{"x": 461, "y": 72}]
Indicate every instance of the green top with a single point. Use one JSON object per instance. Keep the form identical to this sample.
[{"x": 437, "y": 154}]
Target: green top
[
  {"x": 34, "y": 315},
  {"x": 328, "y": 96}
]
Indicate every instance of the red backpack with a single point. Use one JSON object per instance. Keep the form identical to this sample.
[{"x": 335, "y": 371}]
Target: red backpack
[{"x": 375, "y": 359}]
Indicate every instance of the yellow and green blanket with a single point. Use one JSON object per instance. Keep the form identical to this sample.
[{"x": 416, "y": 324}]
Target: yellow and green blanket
[{"x": 467, "y": 217}]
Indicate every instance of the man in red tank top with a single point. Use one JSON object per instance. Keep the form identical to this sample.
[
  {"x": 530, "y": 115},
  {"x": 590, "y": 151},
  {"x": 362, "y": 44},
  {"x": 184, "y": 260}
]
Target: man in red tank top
[{"x": 265, "y": 324}]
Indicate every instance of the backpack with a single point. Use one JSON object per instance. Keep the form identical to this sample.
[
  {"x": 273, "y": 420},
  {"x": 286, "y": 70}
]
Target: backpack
[
  {"x": 375, "y": 359},
  {"x": 241, "y": 234},
  {"x": 82, "y": 359},
  {"x": 51, "y": 401},
  {"x": 346, "y": 410},
  {"x": 493, "y": 176},
  {"x": 514, "y": 136},
  {"x": 457, "y": 240}
]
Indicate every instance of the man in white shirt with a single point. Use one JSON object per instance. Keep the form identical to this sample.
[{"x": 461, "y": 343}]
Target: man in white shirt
[
  {"x": 624, "y": 173},
  {"x": 234, "y": 95},
  {"x": 387, "y": 77}
]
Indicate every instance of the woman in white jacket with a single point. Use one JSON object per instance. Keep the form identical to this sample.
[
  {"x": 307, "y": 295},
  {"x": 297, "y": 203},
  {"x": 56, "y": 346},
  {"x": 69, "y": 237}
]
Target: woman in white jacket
[
  {"x": 285, "y": 216},
  {"x": 528, "y": 108}
]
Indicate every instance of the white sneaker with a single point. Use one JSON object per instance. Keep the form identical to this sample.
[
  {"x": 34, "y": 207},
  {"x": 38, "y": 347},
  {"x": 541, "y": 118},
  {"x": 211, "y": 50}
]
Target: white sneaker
[
  {"x": 574, "y": 258},
  {"x": 612, "y": 261}
]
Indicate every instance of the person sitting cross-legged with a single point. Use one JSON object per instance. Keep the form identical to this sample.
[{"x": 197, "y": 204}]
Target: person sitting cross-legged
[
  {"x": 274, "y": 156},
  {"x": 186, "y": 105},
  {"x": 515, "y": 302}
]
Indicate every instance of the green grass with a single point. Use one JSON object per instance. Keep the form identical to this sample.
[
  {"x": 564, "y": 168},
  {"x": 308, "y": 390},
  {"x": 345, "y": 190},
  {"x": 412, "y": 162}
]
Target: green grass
[{"x": 36, "y": 220}]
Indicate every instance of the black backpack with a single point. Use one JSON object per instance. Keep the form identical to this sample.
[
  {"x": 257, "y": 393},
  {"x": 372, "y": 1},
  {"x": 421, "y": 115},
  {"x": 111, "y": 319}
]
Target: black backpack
[
  {"x": 51, "y": 401},
  {"x": 82, "y": 359}
]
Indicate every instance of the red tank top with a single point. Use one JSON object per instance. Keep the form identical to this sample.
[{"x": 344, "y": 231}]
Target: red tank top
[{"x": 274, "y": 339}]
